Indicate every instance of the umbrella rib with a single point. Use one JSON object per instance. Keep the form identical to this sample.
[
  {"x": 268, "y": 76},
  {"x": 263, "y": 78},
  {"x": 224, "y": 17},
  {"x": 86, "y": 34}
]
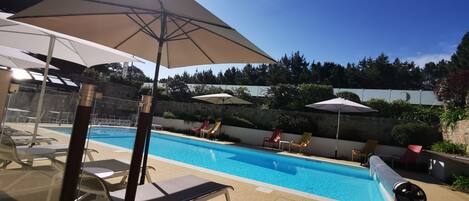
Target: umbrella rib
[
  {"x": 182, "y": 34},
  {"x": 26, "y": 33},
  {"x": 131, "y": 36},
  {"x": 185, "y": 23},
  {"x": 234, "y": 42},
  {"x": 157, "y": 11},
  {"x": 78, "y": 54},
  {"x": 192, "y": 40},
  {"x": 143, "y": 30},
  {"x": 143, "y": 22}
]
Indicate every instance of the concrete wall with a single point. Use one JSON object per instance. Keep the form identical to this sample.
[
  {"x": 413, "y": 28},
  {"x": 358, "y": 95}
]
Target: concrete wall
[
  {"x": 319, "y": 146},
  {"x": 459, "y": 134},
  {"x": 354, "y": 127}
]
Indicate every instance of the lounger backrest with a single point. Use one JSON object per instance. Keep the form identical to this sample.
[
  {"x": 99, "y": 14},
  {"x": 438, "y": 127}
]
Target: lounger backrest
[
  {"x": 215, "y": 127},
  {"x": 205, "y": 125},
  {"x": 370, "y": 146},
  {"x": 411, "y": 153},
  {"x": 8, "y": 149},
  {"x": 276, "y": 135},
  {"x": 94, "y": 185},
  {"x": 305, "y": 139}
]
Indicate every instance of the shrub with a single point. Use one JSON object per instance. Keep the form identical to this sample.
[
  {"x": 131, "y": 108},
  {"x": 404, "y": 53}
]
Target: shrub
[
  {"x": 460, "y": 183},
  {"x": 312, "y": 93},
  {"x": 296, "y": 124},
  {"x": 169, "y": 115},
  {"x": 235, "y": 120},
  {"x": 281, "y": 96},
  {"x": 422, "y": 114},
  {"x": 349, "y": 96},
  {"x": 451, "y": 116},
  {"x": 449, "y": 148},
  {"x": 415, "y": 133}
]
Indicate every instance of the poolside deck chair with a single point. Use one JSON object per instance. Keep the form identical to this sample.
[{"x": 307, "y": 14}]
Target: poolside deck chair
[
  {"x": 198, "y": 130},
  {"x": 24, "y": 157},
  {"x": 302, "y": 143},
  {"x": 24, "y": 140},
  {"x": 211, "y": 132},
  {"x": 120, "y": 168},
  {"x": 369, "y": 147},
  {"x": 274, "y": 139},
  {"x": 183, "y": 188}
]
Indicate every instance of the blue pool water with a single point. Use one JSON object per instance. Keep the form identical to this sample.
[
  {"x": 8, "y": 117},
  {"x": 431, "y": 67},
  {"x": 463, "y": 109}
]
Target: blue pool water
[{"x": 320, "y": 178}]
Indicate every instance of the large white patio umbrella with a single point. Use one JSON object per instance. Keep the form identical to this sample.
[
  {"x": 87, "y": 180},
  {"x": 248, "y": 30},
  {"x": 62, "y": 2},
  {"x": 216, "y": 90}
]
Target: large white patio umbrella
[
  {"x": 222, "y": 99},
  {"x": 15, "y": 58},
  {"x": 173, "y": 33},
  {"x": 53, "y": 44},
  {"x": 340, "y": 105}
]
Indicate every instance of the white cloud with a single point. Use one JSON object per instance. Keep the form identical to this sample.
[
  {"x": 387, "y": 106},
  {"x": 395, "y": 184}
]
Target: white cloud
[{"x": 421, "y": 60}]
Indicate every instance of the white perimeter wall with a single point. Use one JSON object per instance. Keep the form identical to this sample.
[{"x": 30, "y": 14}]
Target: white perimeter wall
[{"x": 318, "y": 146}]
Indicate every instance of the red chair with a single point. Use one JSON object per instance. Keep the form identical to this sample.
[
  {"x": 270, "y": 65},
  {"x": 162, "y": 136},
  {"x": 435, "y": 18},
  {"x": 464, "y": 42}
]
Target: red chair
[
  {"x": 274, "y": 139},
  {"x": 410, "y": 156},
  {"x": 197, "y": 131}
]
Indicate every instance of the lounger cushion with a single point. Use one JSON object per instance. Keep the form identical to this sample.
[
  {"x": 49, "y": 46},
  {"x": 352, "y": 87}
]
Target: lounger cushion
[
  {"x": 56, "y": 147},
  {"x": 178, "y": 189},
  {"x": 112, "y": 164}
]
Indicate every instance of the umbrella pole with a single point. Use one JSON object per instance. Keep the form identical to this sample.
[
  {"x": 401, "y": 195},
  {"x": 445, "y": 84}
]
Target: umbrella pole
[
  {"x": 154, "y": 93},
  {"x": 43, "y": 90},
  {"x": 337, "y": 135}
]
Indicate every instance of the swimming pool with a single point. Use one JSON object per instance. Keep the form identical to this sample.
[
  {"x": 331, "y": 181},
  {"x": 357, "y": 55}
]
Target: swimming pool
[{"x": 328, "y": 180}]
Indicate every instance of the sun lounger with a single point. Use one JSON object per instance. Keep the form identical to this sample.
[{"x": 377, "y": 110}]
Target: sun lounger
[
  {"x": 23, "y": 140},
  {"x": 274, "y": 139},
  {"x": 302, "y": 143},
  {"x": 369, "y": 147},
  {"x": 212, "y": 132},
  {"x": 178, "y": 189},
  {"x": 9, "y": 153},
  {"x": 112, "y": 168},
  {"x": 156, "y": 127}
]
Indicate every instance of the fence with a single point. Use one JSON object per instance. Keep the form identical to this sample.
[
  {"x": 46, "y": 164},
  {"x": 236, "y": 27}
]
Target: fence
[{"x": 417, "y": 97}]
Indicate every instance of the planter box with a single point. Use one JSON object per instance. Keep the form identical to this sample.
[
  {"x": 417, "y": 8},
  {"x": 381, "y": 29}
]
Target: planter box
[{"x": 319, "y": 146}]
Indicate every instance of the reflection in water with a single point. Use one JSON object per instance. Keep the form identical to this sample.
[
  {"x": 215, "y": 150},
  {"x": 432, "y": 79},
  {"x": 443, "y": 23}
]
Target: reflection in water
[{"x": 265, "y": 163}]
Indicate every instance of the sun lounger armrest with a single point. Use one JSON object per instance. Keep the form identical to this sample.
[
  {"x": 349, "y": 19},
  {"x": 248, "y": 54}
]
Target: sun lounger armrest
[{"x": 92, "y": 150}]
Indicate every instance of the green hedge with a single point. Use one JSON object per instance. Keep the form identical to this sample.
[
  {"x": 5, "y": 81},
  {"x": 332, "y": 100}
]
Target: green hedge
[
  {"x": 449, "y": 148},
  {"x": 296, "y": 124},
  {"x": 460, "y": 183},
  {"x": 415, "y": 133},
  {"x": 290, "y": 97}
]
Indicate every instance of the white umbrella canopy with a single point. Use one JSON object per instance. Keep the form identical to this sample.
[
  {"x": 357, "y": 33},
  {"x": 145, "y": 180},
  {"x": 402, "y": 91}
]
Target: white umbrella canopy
[
  {"x": 340, "y": 105},
  {"x": 37, "y": 40},
  {"x": 222, "y": 99},
  {"x": 190, "y": 33},
  {"x": 14, "y": 58},
  {"x": 54, "y": 44},
  {"x": 344, "y": 105}
]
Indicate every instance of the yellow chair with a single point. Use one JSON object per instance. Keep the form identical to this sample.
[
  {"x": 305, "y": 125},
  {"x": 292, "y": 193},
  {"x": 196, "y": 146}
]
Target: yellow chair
[
  {"x": 369, "y": 147},
  {"x": 302, "y": 143},
  {"x": 211, "y": 131}
]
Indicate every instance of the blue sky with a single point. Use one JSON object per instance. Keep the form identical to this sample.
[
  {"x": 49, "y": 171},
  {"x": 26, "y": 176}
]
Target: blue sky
[{"x": 342, "y": 30}]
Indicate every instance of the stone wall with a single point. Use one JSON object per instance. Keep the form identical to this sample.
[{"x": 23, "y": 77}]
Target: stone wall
[
  {"x": 459, "y": 134},
  {"x": 353, "y": 127}
]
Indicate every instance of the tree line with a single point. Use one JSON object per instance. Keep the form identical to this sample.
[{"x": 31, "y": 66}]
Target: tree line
[{"x": 378, "y": 73}]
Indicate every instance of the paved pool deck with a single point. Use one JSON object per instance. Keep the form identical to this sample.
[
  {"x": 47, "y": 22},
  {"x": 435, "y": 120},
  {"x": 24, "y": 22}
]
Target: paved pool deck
[{"x": 244, "y": 189}]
